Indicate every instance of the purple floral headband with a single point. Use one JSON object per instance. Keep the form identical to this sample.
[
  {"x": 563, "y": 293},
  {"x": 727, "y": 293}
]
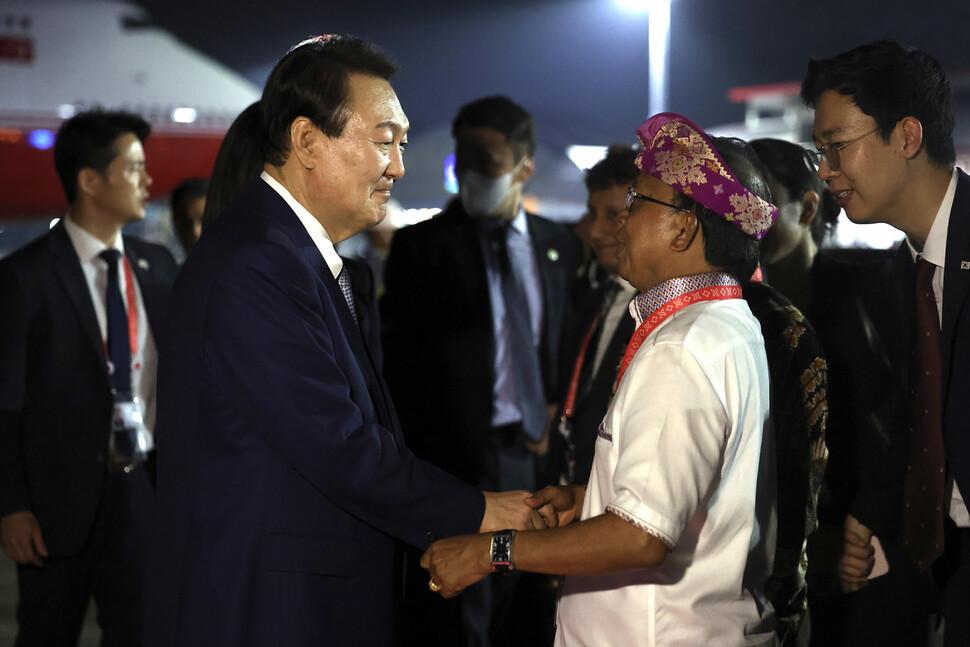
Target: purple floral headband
[{"x": 678, "y": 153}]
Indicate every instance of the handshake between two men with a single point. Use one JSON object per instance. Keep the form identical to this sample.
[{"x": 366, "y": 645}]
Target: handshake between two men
[{"x": 456, "y": 563}]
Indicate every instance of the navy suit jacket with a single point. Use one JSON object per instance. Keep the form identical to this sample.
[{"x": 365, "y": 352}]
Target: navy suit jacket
[
  {"x": 284, "y": 483},
  {"x": 55, "y": 397},
  {"x": 438, "y": 332},
  {"x": 955, "y": 332}
]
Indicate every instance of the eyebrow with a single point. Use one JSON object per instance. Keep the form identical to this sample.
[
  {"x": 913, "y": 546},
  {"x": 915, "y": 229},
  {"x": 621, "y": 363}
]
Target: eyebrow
[{"x": 393, "y": 125}]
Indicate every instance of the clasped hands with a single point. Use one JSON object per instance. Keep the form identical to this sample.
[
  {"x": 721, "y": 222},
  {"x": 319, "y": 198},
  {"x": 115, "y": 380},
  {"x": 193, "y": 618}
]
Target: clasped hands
[{"x": 456, "y": 563}]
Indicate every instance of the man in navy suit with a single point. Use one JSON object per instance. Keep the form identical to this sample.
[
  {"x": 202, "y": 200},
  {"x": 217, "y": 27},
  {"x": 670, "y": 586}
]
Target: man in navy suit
[
  {"x": 884, "y": 130},
  {"x": 284, "y": 484},
  {"x": 72, "y": 519}
]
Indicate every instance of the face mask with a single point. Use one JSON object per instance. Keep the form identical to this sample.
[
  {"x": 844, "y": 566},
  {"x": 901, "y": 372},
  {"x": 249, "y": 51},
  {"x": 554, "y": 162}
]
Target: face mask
[{"x": 480, "y": 195}]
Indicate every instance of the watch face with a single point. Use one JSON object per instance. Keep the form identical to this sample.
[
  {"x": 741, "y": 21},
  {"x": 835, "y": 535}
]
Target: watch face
[{"x": 500, "y": 547}]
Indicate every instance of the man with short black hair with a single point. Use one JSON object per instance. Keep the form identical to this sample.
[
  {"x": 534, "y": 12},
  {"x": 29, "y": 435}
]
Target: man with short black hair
[
  {"x": 676, "y": 533},
  {"x": 884, "y": 131},
  {"x": 285, "y": 487},
  {"x": 81, "y": 310}
]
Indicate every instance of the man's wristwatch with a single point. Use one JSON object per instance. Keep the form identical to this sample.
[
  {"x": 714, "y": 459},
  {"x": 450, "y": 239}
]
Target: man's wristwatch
[{"x": 501, "y": 551}]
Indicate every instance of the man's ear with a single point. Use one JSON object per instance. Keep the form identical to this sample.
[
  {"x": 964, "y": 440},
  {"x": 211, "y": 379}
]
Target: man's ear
[
  {"x": 526, "y": 170},
  {"x": 809, "y": 208},
  {"x": 685, "y": 226},
  {"x": 913, "y": 136},
  {"x": 89, "y": 181},
  {"x": 306, "y": 142}
]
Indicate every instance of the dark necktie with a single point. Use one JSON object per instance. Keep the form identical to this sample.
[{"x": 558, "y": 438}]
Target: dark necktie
[
  {"x": 343, "y": 279},
  {"x": 119, "y": 349},
  {"x": 925, "y": 478},
  {"x": 589, "y": 361},
  {"x": 525, "y": 357}
]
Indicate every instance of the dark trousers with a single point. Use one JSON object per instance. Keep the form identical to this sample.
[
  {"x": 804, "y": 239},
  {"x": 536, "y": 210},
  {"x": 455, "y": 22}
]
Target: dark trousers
[
  {"x": 894, "y": 610},
  {"x": 952, "y": 574},
  {"x": 54, "y": 597}
]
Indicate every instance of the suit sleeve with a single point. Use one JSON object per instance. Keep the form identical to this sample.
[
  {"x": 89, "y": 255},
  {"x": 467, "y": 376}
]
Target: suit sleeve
[
  {"x": 14, "y": 332},
  {"x": 270, "y": 331}
]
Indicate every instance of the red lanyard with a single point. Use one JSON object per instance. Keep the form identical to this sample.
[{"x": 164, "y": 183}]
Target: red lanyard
[
  {"x": 569, "y": 408},
  {"x": 715, "y": 293},
  {"x": 132, "y": 309}
]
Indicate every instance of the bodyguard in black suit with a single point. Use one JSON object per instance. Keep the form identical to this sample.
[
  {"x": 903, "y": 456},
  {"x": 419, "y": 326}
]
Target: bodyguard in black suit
[
  {"x": 71, "y": 519},
  {"x": 884, "y": 128},
  {"x": 474, "y": 308},
  {"x": 594, "y": 347}
]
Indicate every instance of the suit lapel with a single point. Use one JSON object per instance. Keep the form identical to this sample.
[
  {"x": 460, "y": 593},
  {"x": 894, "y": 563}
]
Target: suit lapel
[
  {"x": 553, "y": 293},
  {"x": 290, "y": 224},
  {"x": 376, "y": 387},
  {"x": 67, "y": 267},
  {"x": 141, "y": 268}
]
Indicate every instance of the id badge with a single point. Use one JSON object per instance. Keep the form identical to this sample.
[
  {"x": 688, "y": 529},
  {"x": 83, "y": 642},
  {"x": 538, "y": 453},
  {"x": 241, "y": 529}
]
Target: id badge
[{"x": 130, "y": 441}]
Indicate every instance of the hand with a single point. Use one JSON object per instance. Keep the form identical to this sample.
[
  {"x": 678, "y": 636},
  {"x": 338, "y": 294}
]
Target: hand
[
  {"x": 565, "y": 500},
  {"x": 858, "y": 556},
  {"x": 21, "y": 538},
  {"x": 458, "y": 562},
  {"x": 509, "y": 510}
]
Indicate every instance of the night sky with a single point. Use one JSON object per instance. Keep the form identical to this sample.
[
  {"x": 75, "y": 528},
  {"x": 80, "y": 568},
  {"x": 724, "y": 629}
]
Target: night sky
[{"x": 580, "y": 66}]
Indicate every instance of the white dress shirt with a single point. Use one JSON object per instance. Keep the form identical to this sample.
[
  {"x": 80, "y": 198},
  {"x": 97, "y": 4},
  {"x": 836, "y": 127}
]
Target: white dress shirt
[
  {"x": 505, "y": 408},
  {"x": 934, "y": 251}
]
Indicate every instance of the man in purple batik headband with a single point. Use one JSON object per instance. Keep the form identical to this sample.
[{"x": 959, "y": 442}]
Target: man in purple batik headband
[
  {"x": 679, "y": 153},
  {"x": 670, "y": 541}
]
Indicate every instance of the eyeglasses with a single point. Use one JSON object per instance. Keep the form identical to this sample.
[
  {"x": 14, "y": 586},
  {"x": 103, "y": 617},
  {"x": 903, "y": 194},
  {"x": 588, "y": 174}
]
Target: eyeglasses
[
  {"x": 631, "y": 195},
  {"x": 830, "y": 152}
]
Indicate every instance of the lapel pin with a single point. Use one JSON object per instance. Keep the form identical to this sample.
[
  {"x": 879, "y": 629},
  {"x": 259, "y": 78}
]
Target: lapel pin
[
  {"x": 552, "y": 255},
  {"x": 965, "y": 265},
  {"x": 143, "y": 264}
]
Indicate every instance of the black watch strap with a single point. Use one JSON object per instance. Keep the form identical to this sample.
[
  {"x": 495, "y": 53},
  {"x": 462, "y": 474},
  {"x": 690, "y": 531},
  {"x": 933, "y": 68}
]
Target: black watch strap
[{"x": 500, "y": 553}]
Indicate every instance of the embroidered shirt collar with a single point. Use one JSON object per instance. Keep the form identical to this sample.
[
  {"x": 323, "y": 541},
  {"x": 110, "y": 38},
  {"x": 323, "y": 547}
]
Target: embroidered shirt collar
[
  {"x": 313, "y": 227},
  {"x": 646, "y": 303},
  {"x": 934, "y": 250}
]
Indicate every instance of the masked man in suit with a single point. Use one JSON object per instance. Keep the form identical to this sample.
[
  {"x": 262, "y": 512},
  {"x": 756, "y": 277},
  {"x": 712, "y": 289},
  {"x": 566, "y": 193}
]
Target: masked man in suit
[
  {"x": 475, "y": 303},
  {"x": 79, "y": 315}
]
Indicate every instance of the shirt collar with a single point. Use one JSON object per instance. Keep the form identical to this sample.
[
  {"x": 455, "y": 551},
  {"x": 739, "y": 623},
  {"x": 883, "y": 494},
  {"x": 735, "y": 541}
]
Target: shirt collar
[
  {"x": 519, "y": 223},
  {"x": 86, "y": 245},
  {"x": 316, "y": 230},
  {"x": 934, "y": 250},
  {"x": 646, "y": 303},
  {"x": 490, "y": 223}
]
